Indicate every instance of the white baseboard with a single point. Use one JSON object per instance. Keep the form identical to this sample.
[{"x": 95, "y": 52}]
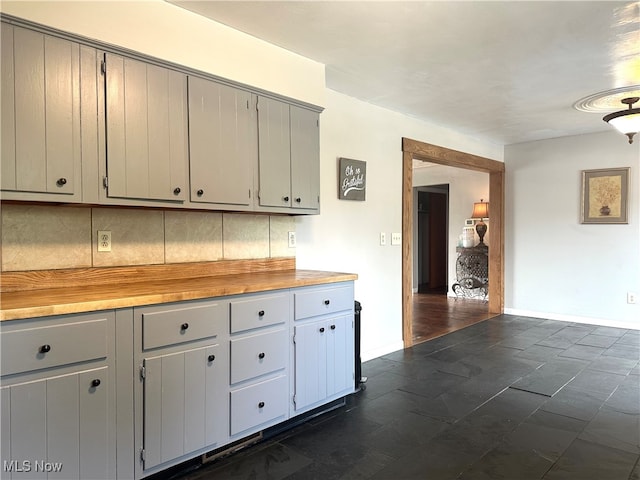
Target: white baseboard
[
  {"x": 573, "y": 318},
  {"x": 380, "y": 352}
]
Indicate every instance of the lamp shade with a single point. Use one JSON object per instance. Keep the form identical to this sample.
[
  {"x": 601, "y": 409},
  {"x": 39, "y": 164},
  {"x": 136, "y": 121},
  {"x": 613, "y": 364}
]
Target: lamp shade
[
  {"x": 480, "y": 210},
  {"x": 626, "y": 121}
]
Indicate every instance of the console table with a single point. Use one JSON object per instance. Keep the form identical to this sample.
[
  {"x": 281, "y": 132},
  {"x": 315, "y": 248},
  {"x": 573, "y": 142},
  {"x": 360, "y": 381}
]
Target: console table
[{"x": 472, "y": 272}]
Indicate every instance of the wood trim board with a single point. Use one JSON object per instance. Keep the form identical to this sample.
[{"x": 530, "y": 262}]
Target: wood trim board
[{"x": 414, "y": 149}]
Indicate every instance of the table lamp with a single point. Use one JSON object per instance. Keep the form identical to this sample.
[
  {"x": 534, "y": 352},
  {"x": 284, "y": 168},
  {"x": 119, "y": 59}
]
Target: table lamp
[{"x": 481, "y": 211}]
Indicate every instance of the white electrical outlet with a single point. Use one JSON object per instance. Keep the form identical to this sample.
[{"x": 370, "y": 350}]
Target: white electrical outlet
[
  {"x": 292, "y": 239},
  {"x": 104, "y": 240},
  {"x": 383, "y": 239},
  {"x": 631, "y": 297},
  {"x": 396, "y": 238}
]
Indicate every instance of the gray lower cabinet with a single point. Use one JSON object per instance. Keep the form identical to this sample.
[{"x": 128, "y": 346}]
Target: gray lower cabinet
[
  {"x": 146, "y": 131},
  {"x": 190, "y": 377},
  {"x": 181, "y": 395},
  {"x": 222, "y": 143},
  {"x": 41, "y": 115},
  {"x": 259, "y": 347},
  {"x": 324, "y": 345},
  {"x": 57, "y": 397}
]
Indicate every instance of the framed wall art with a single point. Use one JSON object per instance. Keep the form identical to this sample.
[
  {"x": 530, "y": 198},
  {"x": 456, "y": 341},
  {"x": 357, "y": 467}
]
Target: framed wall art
[
  {"x": 605, "y": 196},
  {"x": 352, "y": 179}
]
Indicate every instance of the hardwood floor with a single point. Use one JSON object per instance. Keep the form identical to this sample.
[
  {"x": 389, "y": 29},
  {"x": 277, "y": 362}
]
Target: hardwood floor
[{"x": 436, "y": 314}]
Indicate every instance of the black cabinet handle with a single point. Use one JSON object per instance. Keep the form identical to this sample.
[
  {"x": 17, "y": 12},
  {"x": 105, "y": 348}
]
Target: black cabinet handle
[
  {"x": 327, "y": 302},
  {"x": 95, "y": 383},
  {"x": 61, "y": 182},
  {"x": 184, "y": 326},
  {"x": 261, "y": 355},
  {"x": 200, "y": 192},
  {"x": 261, "y": 405},
  {"x": 261, "y": 313},
  {"x": 211, "y": 358},
  {"x": 286, "y": 199},
  {"x": 176, "y": 191},
  {"x": 298, "y": 199},
  {"x": 322, "y": 330},
  {"x": 45, "y": 348},
  {"x": 333, "y": 327}
]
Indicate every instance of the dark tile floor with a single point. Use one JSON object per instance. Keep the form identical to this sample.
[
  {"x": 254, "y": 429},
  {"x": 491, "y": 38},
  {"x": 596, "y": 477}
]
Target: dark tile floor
[{"x": 508, "y": 398}]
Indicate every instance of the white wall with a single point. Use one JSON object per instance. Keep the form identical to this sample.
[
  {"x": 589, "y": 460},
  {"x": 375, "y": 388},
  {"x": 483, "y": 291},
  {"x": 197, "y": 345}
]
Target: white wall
[
  {"x": 556, "y": 267},
  {"x": 345, "y": 237},
  {"x": 162, "y": 30},
  {"x": 465, "y": 188}
]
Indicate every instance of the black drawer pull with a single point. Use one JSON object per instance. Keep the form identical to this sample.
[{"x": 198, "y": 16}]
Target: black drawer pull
[
  {"x": 200, "y": 192},
  {"x": 176, "y": 191},
  {"x": 45, "y": 348},
  {"x": 211, "y": 358},
  {"x": 333, "y": 327},
  {"x": 261, "y": 313},
  {"x": 261, "y": 355},
  {"x": 298, "y": 200},
  {"x": 286, "y": 199},
  {"x": 261, "y": 405},
  {"x": 322, "y": 330},
  {"x": 95, "y": 383},
  {"x": 184, "y": 326},
  {"x": 61, "y": 182},
  {"x": 327, "y": 302}
]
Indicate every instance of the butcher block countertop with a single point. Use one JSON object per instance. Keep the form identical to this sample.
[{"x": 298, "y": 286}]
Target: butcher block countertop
[{"x": 143, "y": 289}]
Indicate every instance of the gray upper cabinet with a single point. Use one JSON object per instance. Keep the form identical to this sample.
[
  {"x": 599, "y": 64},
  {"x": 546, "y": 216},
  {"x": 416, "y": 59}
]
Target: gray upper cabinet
[
  {"x": 274, "y": 168},
  {"x": 146, "y": 131},
  {"x": 41, "y": 149},
  {"x": 305, "y": 158},
  {"x": 84, "y": 124},
  {"x": 289, "y": 161},
  {"x": 222, "y": 143}
]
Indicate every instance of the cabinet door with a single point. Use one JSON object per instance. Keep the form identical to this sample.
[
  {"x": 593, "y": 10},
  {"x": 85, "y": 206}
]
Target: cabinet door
[
  {"x": 222, "y": 143},
  {"x": 305, "y": 158},
  {"x": 146, "y": 110},
  {"x": 310, "y": 363},
  {"x": 324, "y": 360},
  {"x": 274, "y": 153},
  {"x": 340, "y": 355},
  {"x": 61, "y": 423},
  {"x": 181, "y": 393},
  {"x": 40, "y": 112}
]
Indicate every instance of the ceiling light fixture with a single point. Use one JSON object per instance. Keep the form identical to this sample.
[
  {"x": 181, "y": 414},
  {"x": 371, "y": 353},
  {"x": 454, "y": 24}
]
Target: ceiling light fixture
[{"x": 626, "y": 121}]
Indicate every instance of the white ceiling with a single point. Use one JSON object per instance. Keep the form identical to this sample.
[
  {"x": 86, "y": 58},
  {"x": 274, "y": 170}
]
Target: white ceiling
[{"x": 506, "y": 72}]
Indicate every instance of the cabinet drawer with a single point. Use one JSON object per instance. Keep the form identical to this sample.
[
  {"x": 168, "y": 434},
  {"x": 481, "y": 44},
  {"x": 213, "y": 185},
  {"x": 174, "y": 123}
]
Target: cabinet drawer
[
  {"x": 259, "y": 312},
  {"x": 258, "y": 404},
  {"x": 168, "y": 326},
  {"x": 52, "y": 346},
  {"x": 322, "y": 301},
  {"x": 258, "y": 354}
]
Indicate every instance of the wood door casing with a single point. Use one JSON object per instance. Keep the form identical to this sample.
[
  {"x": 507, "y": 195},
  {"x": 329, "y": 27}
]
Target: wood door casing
[{"x": 413, "y": 149}]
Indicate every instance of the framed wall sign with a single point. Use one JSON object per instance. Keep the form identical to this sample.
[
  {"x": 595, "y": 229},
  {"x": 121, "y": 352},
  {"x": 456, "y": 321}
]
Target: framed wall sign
[
  {"x": 352, "y": 179},
  {"x": 605, "y": 196}
]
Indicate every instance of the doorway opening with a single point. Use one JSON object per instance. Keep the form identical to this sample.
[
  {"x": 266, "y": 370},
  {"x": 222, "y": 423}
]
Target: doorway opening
[
  {"x": 413, "y": 149},
  {"x": 431, "y": 253}
]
